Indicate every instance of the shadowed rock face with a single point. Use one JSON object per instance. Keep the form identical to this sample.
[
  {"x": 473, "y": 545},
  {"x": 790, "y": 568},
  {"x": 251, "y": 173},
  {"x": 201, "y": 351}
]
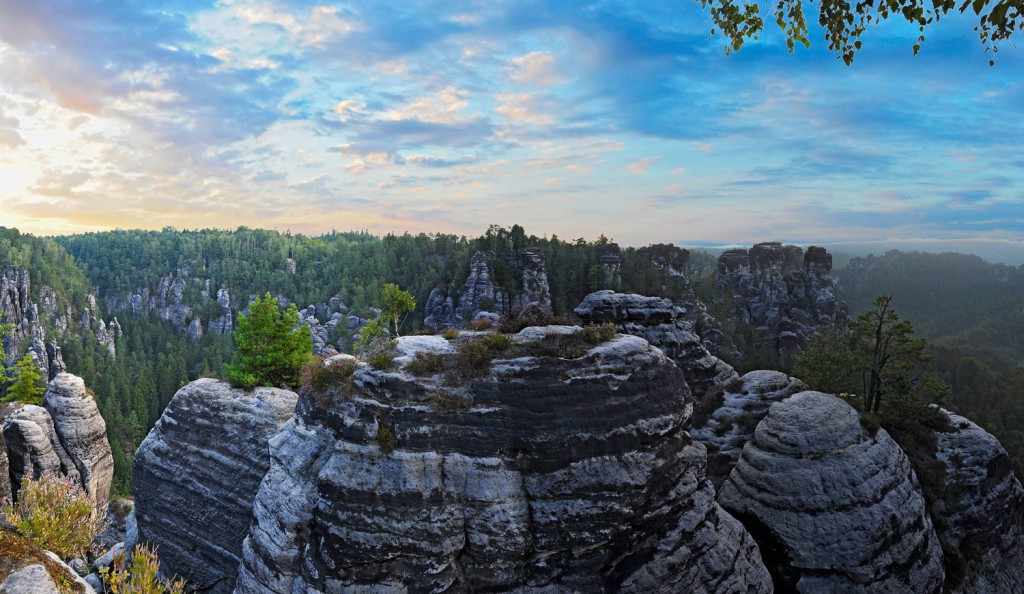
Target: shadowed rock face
[
  {"x": 744, "y": 403},
  {"x": 68, "y": 436},
  {"x": 833, "y": 508},
  {"x": 979, "y": 516},
  {"x": 782, "y": 292},
  {"x": 554, "y": 475},
  {"x": 661, "y": 323},
  {"x": 196, "y": 474}
]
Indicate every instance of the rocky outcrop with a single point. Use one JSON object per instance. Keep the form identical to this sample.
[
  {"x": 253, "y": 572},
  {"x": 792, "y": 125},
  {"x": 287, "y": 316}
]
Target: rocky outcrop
[
  {"x": 668, "y": 257},
  {"x": 27, "y": 569},
  {"x": 81, "y": 432},
  {"x": 609, "y": 260},
  {"x": 661, "y": 323},
  {"x": 525, "y": 288},
  {"x": 833, "y": 507},
  {"x": 222, "y": 323},
  {"x": 544, "y": 475},
  {"x": 735, "y": 411},
  {"x": 196, "y": 475},
  {"x": 782, "y": 292},
  {"x": 979, "y": 515},
  {"x": 68, "y": 436},
  {"x": 439, "y": 310},
  {"x": 18, "y": 309}
]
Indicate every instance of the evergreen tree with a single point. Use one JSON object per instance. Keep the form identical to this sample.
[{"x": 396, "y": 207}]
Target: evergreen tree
[
  {"x": 27, "y": 382},
  {"x": 272, "y": 348}
]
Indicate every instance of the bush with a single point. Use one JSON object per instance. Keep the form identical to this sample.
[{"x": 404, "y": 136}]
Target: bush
[
  {"x": 496, "y": 343},
  {"x": 531, "y": 317},
  {"x": 318, "y": 376},
  {"x": 598, "y": 333},
  {"x": 381, "y": 361},
  {"x": 140, "y": 576},
  {"x": 425, "y": 364},
  {"x": 443, "y": 401},
  {"x": 55, "y": 514},
  {"x": 450, "y": 333},
  {"x": 386, "y": 439},
  {"x": 481, "y": 324}
]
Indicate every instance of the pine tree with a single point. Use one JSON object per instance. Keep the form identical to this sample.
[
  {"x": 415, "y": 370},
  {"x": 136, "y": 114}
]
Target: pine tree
[
  {"x": 271, "y": 347},
  {"x": 27, "y": 382}
]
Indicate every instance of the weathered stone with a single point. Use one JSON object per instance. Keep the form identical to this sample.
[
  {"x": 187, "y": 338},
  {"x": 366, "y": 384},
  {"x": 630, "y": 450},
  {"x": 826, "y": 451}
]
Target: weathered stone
[
  {"x": 744, "y": 402},
  {"x": 833, "y": 507},
  {"x": 82, "y": 433},
  {"x": 661, "y": 323},
  {"x": 481, "y": 292},
  {"x": 979, "y": 516},
  {"x": 27, "y": 569},
  {"x": 773, "y": 282},
  {"x": 439, "y": 310},
  {"x": 559, "y": 475},
  {"x": 196, "y": 474},
  {"x": 33, "y": 448}
]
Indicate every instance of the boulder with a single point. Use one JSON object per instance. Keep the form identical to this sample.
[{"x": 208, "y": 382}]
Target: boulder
[
  {"x": 196, "y": 475},
  {"x": 833, "y": 507},
  {"x": 730, "y": 417},
  {"x": 551, "y": 475}
]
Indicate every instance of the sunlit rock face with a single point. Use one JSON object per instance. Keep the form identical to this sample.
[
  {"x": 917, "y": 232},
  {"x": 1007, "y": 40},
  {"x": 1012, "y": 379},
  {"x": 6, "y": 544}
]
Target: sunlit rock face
[
  {"x": 546, "y": 474},
  {"x": 65, "y": 436},
  {"x": 196, "y": 474},
  {"x": 833, "y": 507},
  {"x": 661, "y": 323},
  {"x": 783, "y": 292}
]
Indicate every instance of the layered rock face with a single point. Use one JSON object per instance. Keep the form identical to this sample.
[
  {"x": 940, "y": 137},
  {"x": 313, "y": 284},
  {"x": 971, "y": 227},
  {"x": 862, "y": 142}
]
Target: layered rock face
[
  {"x": 196, "y": 474},
  {"x": 782, "y": 292},
  {"x": 483, "y": 292},
  {"x": 731, "y": 425},
  {"x": 833, "y": 508},
  {"x": 979, "y": 516},
  {"x": 661, "y": 323},
  {"x": 19, "y": 309},
  {"x": 67, "y": 436},
  {"x": 545, "y": 475}
]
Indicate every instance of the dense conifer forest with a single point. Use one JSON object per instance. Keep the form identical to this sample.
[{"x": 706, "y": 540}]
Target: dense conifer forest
[{"x": 971, "y": 312}]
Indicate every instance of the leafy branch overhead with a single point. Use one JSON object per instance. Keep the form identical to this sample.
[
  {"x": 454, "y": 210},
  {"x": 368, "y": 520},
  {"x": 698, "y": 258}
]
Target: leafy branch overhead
[{"x": 845, "y": 22}]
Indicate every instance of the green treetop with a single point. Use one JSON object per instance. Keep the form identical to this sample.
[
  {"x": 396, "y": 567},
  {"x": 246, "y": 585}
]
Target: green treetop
[
  {"x": 272, "y": 347},
  {"x": 397, "y": 305},
  {"x": 27, "y": 382}
]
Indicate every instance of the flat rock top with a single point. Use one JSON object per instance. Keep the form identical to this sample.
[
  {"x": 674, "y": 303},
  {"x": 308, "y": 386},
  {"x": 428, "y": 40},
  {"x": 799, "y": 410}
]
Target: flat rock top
[{"x": 609, "y": 306}]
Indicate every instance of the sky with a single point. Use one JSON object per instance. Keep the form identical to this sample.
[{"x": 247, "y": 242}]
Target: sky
[{"x": 572, "y": 118}]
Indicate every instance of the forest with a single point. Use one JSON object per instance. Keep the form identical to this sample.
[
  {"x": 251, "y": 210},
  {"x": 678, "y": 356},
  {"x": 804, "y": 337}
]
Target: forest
[{"x": 971, "y": 312}]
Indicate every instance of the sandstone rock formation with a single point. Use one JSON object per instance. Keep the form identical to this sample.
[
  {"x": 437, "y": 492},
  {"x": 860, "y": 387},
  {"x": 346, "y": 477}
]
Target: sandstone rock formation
[
  {"x": 18, "y": 308},
  {"x": 546, "y": 474},
  {"x": 28, "y": 569},
  {"x": 609, "y": 259},
  {"x": 439, "y": 310},
  {"x": 661, "y": 323},
  {"x": 82, "y": 432},
  {"x": 196, "y": 474},
  {"x": 833, "y": 508},
  {"x": 484, "y": 292},
  {"x": 67, "y": 436},
  {"x": 222, "y": 324},
  {"x": 979, "y": 516},
  {"x": 727, "y": 423},
  {"x": 782, "y": 292}
]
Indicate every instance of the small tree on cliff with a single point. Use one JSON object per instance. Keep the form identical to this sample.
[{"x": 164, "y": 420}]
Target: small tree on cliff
[
  {"x": 27, "y": 382},
  {"x": 272, "y": 347},
  {"x": 396, "y": 305}
]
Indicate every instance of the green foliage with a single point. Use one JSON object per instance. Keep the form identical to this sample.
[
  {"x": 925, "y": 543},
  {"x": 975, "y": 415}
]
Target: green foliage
[
  {"x": 829, "y": 363},
  {"x": 425, "y": 364},
  {"x": 272, "y": 349},
  {"x": 443, "y": 401},
  {"x": 26, "y": 382},
  {"x": 496, "y": 342},
  {"x": 370, "y": 336},
  {"x": 319, "y": 375},
  {"x": 140, "y": 575},
  {"x": 598, "y": 333},
  {"x": 386, "y": 439},
  {"x": 56, "y": 514},
  {"x": 382, "y": 360},
  {"x": 450, "y": 334},
  {"x": 844, "y": 22},
  {"x": 396, "y": 305}
]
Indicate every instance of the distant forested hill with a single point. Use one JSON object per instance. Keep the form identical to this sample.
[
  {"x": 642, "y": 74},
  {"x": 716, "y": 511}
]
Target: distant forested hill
[{"x": 972, "y": 313}]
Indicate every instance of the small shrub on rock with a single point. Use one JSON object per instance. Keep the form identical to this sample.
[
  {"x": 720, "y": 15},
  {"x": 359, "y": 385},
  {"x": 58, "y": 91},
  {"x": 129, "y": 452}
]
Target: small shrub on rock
[
  {"x": 531, "y": 317},
  {"x": 450, "y": 334},
  {"x": 318, "y": 376},
  {"x": 381, "y": 361},
  {"x": 443, "y": 402},
  {"x": 481, "y": 324},
  {"x": 386, "y": 439},
  {"x": 598, "y": 333},
  {"x": 55, "y": 514},
  {"x": 425, "y": 364},
  {"x": 497, "y": 342},
  {"x": 140, "y": 576}
]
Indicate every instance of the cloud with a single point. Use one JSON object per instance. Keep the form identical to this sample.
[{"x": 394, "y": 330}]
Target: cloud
[
  {"x": 535, "y": 68},
  {"x": 642, "y": 165}
]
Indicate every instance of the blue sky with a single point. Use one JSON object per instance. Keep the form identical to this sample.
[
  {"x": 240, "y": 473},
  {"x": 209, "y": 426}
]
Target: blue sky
[{"x": 572, "y": 118}]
